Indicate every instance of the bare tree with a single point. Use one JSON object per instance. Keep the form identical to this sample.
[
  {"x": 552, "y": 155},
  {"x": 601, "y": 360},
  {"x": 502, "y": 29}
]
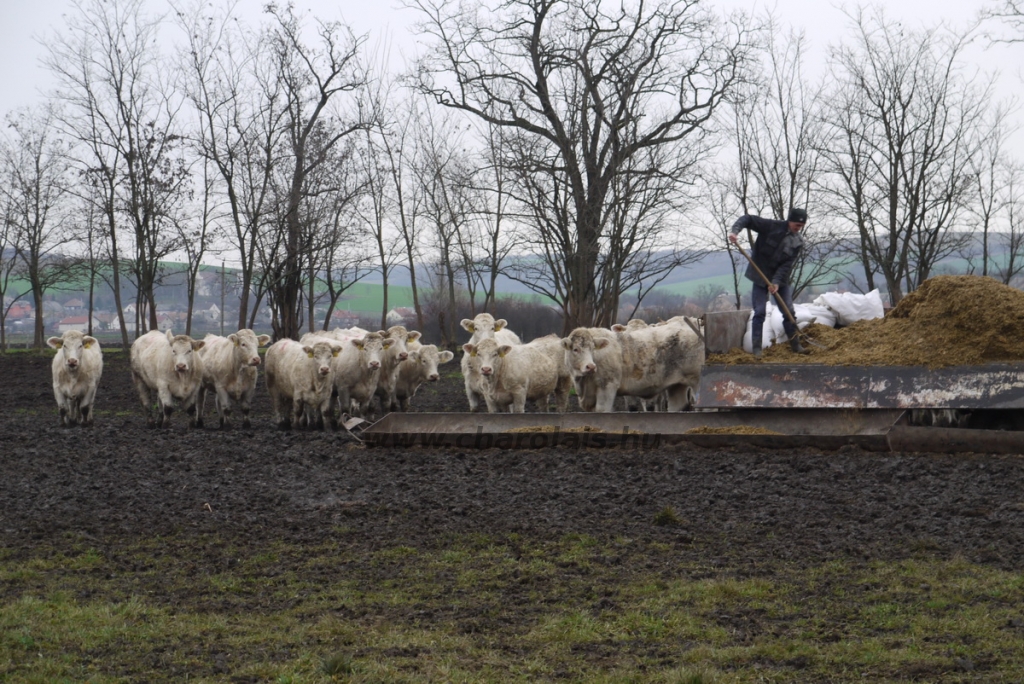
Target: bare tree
[
  {"x": 904, "y": 124},
  {"x": 376, "y": 207},
  {"x": 493, "y": 182},
  {"x": 36, "y": 182},
  {"x": 311, "y": 77},
  {"x": 724, "y": 191},
  {"x": 394, "y": 121},
  {"x": 443, "y": 175},
  {"x": 993, "y": 172},
  {"x": 120, "y": 108},
  {"x": 8, "y": 260},
  {"x": 334, "y": 258},
  {"x": 600, "y": 93},
  {"x": 240, "y": 104},
  {"x": 196, "y": 230},
  {"x": 1013, "y": 266}
]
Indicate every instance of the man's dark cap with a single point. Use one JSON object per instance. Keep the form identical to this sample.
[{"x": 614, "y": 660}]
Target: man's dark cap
[{"x": 797, "y": 216}]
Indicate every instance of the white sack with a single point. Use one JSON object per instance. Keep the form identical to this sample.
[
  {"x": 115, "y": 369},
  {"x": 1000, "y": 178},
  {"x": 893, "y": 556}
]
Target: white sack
[{"x": 850, "y": 307}]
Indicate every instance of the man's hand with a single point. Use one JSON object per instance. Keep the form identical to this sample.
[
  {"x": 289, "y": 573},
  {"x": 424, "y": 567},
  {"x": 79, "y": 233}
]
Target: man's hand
[
  {"x": 773, "y": 288},
  {"x": 734, "y": 238}
]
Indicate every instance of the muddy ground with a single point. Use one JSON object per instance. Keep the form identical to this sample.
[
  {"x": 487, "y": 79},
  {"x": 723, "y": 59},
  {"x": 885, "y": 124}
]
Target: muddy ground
[
  {"x": 738, "y": 511},
  {"x": 120, "y": 478}
]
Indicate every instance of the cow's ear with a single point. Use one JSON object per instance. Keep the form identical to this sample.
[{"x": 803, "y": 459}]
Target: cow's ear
[
  {"x": 566, "y": 343},
  {"x": 88, "y": 341},
  {"x": 263, "y": 340},
  {"x": 504, "y": 349},
  {"x": 170, "y": 335},
  {"x": 360, "y": 343},
  {"x": 335, "y": 350},
  {"x": 618, "y": 327},
  {"x": 308, "y": 350},
  {"x": 414, "y": 356},
  {"x": 234, "y": 338},
  {"x": 601, "y": 343},
  {"x": 469, "y": 349},
  {"x": 387, "y": 343},
  {"x": 55, "y": 342},
  {"x": 499, "y": 324},
  {"x": 413, "y": 336},
  {"x": 198, "y": 344},
  {"x": 445, "y": 356},
  {"x": 467, "y": 324}
]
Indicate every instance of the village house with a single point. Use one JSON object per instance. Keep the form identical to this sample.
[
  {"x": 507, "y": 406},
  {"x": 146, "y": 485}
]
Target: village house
[{"x": 79, "y": 323}]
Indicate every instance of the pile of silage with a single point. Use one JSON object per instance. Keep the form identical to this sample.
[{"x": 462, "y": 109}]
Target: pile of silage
[{"x": 948, "y": 321}]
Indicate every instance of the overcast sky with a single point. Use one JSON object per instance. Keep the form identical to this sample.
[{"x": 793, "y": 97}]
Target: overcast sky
[{"x": 23, "y": 23}]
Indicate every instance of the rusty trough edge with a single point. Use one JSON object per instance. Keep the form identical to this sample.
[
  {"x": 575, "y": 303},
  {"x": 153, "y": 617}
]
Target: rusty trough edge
[
  {"x": 988, "y": 386},
  {"x": 817, "y": 428}
]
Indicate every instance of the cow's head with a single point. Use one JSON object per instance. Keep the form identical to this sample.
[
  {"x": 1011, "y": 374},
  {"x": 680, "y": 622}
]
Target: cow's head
[
  {"x": 70, "y": 346},
  {"x": 322, "y": 353},
  {"x": 247, "y": 345},
  {"x": 371, "y": 349},
  {"x": 579, "y": 348},
  {"x": 428, "y": 358},
  {"x": 183, "y": 350}
]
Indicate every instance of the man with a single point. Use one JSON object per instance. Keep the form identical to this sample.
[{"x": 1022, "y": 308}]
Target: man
[{"x": 776, "y": 249}]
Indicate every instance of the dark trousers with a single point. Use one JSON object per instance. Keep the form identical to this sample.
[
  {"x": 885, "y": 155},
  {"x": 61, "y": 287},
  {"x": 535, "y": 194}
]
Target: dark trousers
[{"x": 759, "y": 299}]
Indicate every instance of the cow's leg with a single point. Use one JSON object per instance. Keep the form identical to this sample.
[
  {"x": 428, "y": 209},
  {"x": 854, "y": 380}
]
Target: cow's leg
[
  {"x": 188, "y": 405},
  {"x": 472, "y": 397},
  {"x": 166, "y": 400},
  {"x": 605, "y": 399},
  {"x": 283, "y": 412},
  {"x": 201, "y": 402},
  {"x": 64, "y": 420},
  {"x": 223, "y": 406},
  {"x": 245, "y": 406},
  {"x": 519, "y": 402},
  {"x": 86, "y": 405},
  {"x": 146, "y": 397}
]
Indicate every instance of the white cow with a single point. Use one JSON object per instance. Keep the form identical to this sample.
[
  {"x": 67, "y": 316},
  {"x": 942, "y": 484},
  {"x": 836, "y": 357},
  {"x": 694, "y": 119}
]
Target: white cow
[
  {"x": 484, "y": 327},
  {"x": 638, "y": 363},
  {"x": 229, "y": 370},
  {"x": 357, "y": 369},
  {"x": 168, "y": 365},
  {"x": 77, "y": 367},
  {"x": 514, "y": 373},
  {"x": 300, "y": 381},
  {"x": 393, "y": 356},
  {"x": 419, "y": 368}
]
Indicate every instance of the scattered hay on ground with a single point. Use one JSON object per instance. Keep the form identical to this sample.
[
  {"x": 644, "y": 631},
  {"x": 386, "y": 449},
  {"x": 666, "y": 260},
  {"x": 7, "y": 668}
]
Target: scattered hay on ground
[
  {"x": 730, "y": 430},
  {"x": 582, "y": 428},
  {"x": 948, "y": 321}
]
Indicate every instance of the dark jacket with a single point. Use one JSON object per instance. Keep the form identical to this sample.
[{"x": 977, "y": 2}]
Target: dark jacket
[{"x": 775, "y": 249}]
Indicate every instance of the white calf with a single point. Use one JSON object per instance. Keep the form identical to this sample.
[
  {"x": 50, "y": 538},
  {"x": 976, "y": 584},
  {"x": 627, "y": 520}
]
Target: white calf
[
  {"x": 419, "y": 368},
  {"x": 77, "y": 368},
  {"x": 300, "y": 381},
  {"x": 229, "y": 370},
  {"x": 167, "y": 365}
]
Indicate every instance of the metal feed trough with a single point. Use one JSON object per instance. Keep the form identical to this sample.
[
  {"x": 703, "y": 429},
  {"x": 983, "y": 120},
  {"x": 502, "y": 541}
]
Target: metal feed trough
[{"x": 767, "y": 405}]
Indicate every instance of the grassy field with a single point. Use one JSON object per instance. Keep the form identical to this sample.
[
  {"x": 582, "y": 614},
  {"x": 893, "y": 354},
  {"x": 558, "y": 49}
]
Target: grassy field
[{"x": 497, "y": 609}]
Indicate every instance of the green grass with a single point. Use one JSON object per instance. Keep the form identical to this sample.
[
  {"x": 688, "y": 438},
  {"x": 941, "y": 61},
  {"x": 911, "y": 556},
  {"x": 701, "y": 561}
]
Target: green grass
[{"x": 481, "y": 608}]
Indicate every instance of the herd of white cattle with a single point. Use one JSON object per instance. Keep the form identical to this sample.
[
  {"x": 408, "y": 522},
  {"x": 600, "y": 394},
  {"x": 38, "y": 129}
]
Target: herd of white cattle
[{"x": 318, "y": 379}]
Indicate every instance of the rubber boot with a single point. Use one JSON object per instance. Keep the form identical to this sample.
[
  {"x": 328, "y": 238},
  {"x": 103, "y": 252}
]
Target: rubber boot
[
  {"x": 756, "y": 352},
  {"x": 797, "y": 348}
]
